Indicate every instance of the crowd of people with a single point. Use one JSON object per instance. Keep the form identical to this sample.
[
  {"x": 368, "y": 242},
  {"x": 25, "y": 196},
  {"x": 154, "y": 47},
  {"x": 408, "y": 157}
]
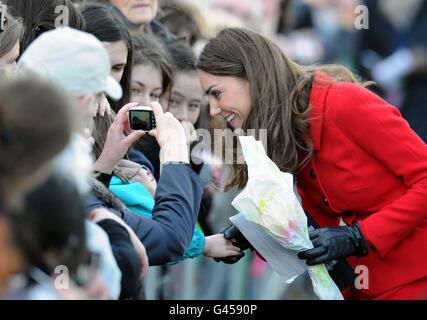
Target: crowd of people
[{"x": 89, "y": 207}]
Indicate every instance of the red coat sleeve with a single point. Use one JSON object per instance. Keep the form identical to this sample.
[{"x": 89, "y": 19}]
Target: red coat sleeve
[{"x": 378, "y": 129}]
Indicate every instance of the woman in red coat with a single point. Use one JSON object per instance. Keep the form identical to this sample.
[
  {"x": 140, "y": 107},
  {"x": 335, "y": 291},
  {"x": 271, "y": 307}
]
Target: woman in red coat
[{"x": 360, "y": 170}]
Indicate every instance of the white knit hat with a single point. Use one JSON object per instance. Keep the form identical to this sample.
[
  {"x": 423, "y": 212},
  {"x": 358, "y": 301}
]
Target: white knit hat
[{"x": 73, "y": 60}]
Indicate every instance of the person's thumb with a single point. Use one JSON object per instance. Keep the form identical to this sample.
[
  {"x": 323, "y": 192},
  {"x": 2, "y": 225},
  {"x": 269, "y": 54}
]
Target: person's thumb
[
  {"x": 133, "y": 137},
  {"x": 157, "y": 109}
]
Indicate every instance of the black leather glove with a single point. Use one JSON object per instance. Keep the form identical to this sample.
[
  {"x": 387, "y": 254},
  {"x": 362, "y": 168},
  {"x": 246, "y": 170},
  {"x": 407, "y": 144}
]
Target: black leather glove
[
  {"x": 232, "y": 232},
  {"x": 335, "y": 243}
]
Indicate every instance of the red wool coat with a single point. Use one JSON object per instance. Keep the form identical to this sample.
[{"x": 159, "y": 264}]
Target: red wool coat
[{"x": 370, "y": 167}]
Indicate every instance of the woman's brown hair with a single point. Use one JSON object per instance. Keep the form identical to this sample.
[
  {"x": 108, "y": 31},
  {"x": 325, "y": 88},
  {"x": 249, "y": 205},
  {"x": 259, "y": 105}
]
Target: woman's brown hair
[
  {"x": 279, "y": 89},
  {"x": 11, "y": 35}
]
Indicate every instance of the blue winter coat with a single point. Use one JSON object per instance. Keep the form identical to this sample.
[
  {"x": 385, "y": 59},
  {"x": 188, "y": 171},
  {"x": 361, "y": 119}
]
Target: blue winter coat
[
  {"x": 168, "y": 234},
  {"x": 137, "y": 199}
]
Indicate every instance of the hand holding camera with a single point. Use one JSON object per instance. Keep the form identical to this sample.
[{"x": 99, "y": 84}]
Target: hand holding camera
[
  {"x": 170, "y": 135},
  {"x": 142, "y": 118},
  {"x": 117, "y": 142}
]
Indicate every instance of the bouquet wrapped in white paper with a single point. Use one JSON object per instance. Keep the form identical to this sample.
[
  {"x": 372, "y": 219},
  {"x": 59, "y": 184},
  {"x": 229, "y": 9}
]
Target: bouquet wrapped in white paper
[{"x": 268, "y": 200}]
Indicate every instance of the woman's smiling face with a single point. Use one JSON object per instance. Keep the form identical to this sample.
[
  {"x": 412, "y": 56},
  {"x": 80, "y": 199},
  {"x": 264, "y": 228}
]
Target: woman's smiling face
[{"x": 229, "y": 97}]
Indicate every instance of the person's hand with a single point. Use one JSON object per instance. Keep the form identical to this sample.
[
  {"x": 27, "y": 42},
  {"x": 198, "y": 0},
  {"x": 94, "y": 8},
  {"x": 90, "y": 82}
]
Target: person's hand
[
  {"x": 391, "y": 70},
  {"x": 170, "y": 136},
  {"x": 217, "y": 246},
  {"x": 117, "y": 143},
  {"x": 335, "y": 243},
  {"x": 232, "y": 233},
  {"x": 100, "y": 214},
  {"x": 104, "y": 105},
  {"x": 138, "y": 174}
]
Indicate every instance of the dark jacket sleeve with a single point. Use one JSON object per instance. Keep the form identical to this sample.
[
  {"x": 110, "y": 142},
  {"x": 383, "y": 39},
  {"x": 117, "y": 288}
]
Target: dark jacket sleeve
[
  {"x": 125, "y": 255},
  {"x": 168, "y": 234}
]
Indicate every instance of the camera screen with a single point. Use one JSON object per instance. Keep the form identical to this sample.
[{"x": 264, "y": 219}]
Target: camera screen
[{"x": 140, "y": 120}]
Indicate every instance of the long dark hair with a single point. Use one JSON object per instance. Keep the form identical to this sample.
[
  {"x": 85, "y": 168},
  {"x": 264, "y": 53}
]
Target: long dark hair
[
  {"x": 103, "y": 23},
  {"x": 41, "y": 15},
  {"x": 279, "y": 89}
]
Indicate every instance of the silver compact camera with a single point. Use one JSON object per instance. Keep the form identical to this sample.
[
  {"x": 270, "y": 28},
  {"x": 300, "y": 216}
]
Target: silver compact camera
[{"x": 142, "y": 118}]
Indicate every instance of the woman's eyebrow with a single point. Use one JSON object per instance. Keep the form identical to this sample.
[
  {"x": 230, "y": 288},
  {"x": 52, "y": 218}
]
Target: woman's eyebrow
[
  {"x": 178, "y": 94},
  {"x": 138, "y": 83},
  {"x": 210, "y": 88}
]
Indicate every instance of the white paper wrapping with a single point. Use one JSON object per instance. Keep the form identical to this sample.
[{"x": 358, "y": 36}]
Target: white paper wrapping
[{"x": 268, "y": 201}]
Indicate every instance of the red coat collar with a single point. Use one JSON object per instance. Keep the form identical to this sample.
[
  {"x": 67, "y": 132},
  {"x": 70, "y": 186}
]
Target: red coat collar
[{"x": 317, "y": 102}]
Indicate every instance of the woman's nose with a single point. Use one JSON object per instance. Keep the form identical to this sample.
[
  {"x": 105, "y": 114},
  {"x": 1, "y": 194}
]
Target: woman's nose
[
  {"x": 214, "y": 108},
  {"x": 144, "y": 100},
  {"x": 182, "y": 114}
]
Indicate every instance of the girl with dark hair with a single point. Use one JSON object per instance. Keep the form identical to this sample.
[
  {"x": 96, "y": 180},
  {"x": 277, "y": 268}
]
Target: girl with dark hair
[
  {"x": 103, "y": 22},
  {"x": 150, "y": 58},
  {"x": 152, "y": 77},
  {"x": 9, "y": 41},
  {"x": 187, "y": 101},
  {"x": 355, "y": 159},
  {"x": 173, "y": 66},
  {"x": 43, "y": 15},
  {"x": 189, "y": 105}
]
